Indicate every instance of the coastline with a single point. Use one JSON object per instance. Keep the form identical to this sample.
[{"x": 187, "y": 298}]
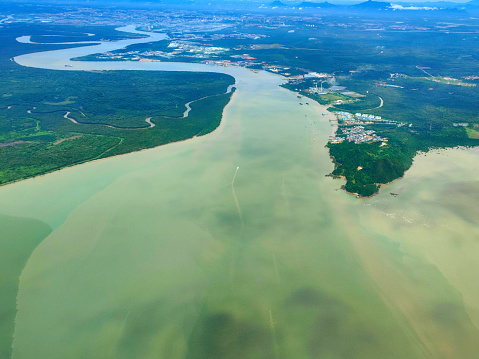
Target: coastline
[
  {"x": 382, "y": 186},
  {"x": 99, "y": 158}
]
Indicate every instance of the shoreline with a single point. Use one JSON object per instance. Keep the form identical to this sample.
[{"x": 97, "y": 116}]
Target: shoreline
[
  {"x": 85, "y": 162},
  {"x": 433, "y": 151},
  {"x": 170, "y": 66}
]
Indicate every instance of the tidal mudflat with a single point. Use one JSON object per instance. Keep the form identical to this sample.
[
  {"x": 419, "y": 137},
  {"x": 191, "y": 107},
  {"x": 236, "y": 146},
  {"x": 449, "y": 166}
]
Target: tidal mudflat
[{"x": 237, "y": 245}]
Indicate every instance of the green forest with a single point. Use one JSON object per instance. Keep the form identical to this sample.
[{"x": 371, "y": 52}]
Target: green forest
[
  {"x": 53, "y": 119},
  {"x": 366, "y": 166}
]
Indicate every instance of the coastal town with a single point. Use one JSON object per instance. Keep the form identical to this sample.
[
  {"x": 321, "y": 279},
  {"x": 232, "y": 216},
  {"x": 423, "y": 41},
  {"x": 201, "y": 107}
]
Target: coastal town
[
  {"x": 358, "y": 134},
  {"x": 353, "y": 130},
  {"x": 159, "y": 17}
]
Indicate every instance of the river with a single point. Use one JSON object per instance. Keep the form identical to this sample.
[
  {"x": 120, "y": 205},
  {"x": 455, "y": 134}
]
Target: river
[{"x": 237, "y": 245}]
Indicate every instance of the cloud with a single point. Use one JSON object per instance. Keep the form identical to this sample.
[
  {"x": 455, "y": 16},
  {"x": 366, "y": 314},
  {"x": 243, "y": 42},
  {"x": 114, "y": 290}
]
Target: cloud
[{"x": 400, "y": 7}]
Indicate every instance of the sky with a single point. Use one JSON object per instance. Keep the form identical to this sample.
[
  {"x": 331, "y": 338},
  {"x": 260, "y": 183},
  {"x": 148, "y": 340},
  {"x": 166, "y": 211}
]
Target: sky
[{"x": 259, "y": 2}]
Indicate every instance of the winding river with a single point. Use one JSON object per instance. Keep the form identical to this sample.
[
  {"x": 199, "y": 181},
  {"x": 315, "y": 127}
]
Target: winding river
[{"x": 237, "y": 245}]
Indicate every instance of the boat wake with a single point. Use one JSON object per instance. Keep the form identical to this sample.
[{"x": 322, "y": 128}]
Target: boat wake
[{"x": 236, "y": 198}]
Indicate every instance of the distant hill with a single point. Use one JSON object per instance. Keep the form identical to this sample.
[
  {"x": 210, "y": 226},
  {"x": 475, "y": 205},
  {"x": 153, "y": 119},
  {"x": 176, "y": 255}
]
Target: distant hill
[
  {"x": 372, "y": 5},
  {"x": 439, "y": 4},
  {"x": 319, "y": 5},
  {"x": 278, "y": 3},
  {"x": 375, "y": 6}
]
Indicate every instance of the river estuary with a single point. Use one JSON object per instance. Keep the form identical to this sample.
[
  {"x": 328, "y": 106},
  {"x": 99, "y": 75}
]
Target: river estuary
[{"x": 237, "y": 245}]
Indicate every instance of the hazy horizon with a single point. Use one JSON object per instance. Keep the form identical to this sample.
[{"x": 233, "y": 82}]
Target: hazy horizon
[{"x": 216, "y": 2}]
